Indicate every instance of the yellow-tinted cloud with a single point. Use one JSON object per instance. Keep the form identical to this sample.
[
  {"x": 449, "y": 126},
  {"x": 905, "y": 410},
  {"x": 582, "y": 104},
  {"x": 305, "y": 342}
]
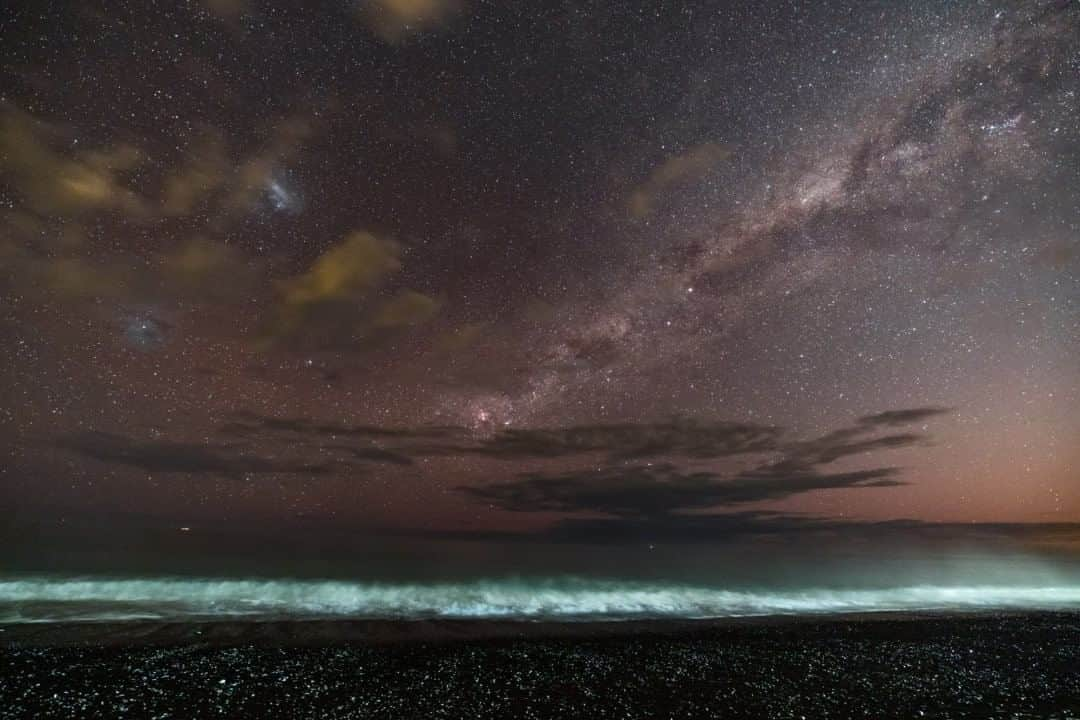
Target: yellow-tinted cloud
[
  {"x": 406, "y": 308},
  {"x": 77, "y": 278},
  {"x": 60, "y": 278},
  {"x": 539, "y": 312},
  {"x": 335, "y": 303},
  {"x": 227, "y": 9},
  {"x": 354, "y": 266},
  {"x": 55, "y": 182},
  {"x": 47, "y": 277},
  {"x": 205, "y": 170},
  {"x": 201, "y": 271},
  {"x": 460, "y": 338},
  {"x": 43, "y": 261},
  {"x": 1059, "y": 254},
  {"x": 333, "y": 291},
  {"x": 204, "y": 270},
  {"x": 71, "y": 236},
  {"x": 199, "y": 258},
  {"x": 22, "y": 225},
  {"x": 396, "y": 21},
  {"x": 53, "y": 177},
  {"x": 679, "y": 168}
]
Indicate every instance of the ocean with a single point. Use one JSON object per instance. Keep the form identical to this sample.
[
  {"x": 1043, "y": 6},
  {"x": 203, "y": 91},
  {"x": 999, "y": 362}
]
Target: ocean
[{"x": 41, "y": 599}]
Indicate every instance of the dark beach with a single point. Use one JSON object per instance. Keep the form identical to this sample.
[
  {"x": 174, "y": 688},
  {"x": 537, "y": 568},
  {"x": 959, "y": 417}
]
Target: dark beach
[{"x": 1013, "y": 665}]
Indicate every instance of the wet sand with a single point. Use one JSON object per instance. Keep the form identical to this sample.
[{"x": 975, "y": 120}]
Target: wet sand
[{"x": 880, "y": 665}]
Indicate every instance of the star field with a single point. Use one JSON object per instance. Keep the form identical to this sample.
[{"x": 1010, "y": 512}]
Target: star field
[{"x": 490, "y": 267}]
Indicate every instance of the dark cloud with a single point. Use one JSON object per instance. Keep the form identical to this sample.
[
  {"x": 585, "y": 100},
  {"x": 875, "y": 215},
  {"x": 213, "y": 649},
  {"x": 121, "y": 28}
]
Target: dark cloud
[
  {"x": 665, "y": 489},
  {"x": 765, "y": 525},
  {"x": 835, "y": 446},
  {"x": 155, "y": 456},
  {"x": 616, "y": 501},
  {"x": 684, "y": 438},
  {"x": 660, "y": 490},
  {"x": 772, "y": 467},
  {"x": 373, "y": 454},
  {"x": 254, "y": 425},
  {"x": 690, "y": 528},
  {"x": 892, "y": 418},
  {"x": 680, "y": 438}
]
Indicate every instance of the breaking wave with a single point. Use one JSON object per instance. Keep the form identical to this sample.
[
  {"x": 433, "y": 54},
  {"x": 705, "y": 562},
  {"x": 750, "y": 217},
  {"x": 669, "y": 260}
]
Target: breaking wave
[{"x": 40, "y": 599}]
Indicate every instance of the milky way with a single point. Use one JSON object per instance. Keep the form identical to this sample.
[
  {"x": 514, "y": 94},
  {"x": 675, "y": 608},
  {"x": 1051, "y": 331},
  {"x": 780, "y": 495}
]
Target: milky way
[{"x": 482, "y": 267}]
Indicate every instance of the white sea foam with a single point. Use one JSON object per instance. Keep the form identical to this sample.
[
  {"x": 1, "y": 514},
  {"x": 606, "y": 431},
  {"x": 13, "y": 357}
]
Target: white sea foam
[{"x": 40, "y": 599}]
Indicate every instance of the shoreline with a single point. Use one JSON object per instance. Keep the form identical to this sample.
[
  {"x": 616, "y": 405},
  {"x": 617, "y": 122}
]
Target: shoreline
[{"x": 323, "y": 632}]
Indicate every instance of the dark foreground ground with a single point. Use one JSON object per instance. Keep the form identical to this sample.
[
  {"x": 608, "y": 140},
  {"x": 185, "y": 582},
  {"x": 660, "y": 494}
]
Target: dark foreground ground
[{"x": 1000, "y": 666}]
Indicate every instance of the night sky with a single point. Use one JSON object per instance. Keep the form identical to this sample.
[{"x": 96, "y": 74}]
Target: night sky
[{"x": 595, "y": 271}]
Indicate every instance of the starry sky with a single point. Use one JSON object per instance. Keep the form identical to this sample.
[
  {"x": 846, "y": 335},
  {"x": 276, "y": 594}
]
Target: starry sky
[{"x": 592, "y": 270}]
